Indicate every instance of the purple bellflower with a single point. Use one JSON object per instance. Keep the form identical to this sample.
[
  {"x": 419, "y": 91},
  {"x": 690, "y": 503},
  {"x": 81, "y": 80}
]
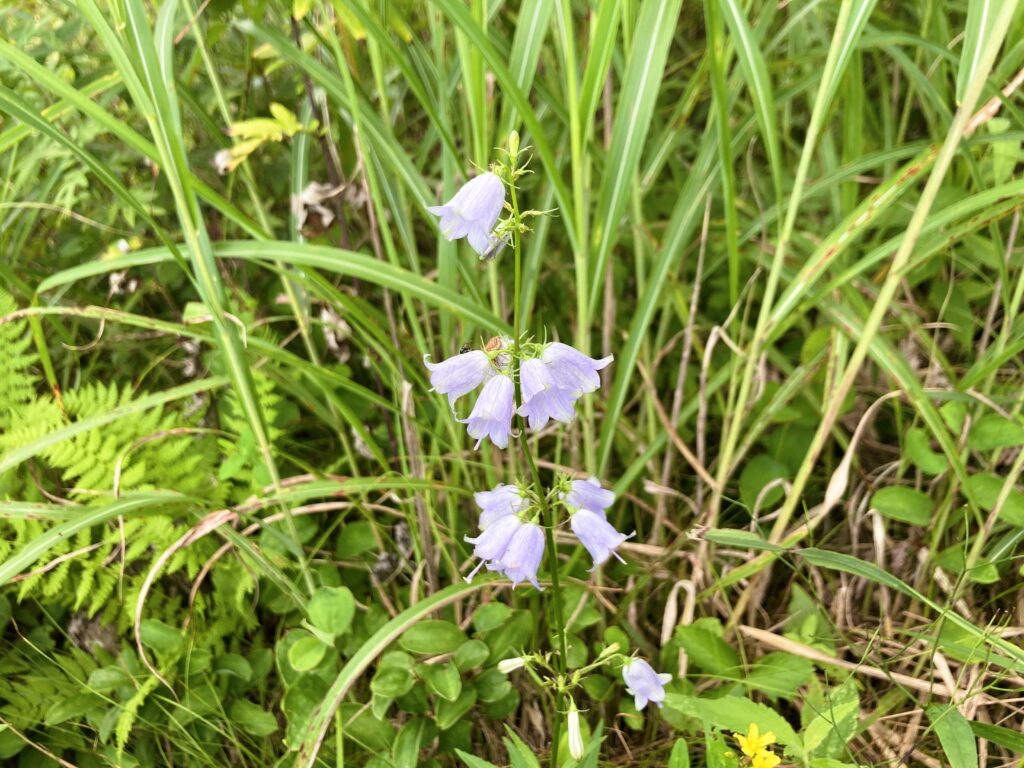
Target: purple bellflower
[
  {"x": 492, "y": 414},
  {"x": 473, "y": 212},
  {"x": 510, "y": 547},
  {"x": 588, "y": 494},
  {"x": 542, "y": 398},
  {"x": 503, "y": 500},
  {"x": 572, "y": 370},
  {"x": 520, "y": 560},
  {"x": 491, "y": 544},
  {"x": 459, "y": 375},
  {"x": 643, "y": 683},
  {"x": 597, "y": 535}
]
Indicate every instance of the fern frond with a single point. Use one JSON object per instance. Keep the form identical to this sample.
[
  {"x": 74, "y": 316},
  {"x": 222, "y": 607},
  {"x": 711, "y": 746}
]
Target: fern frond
[{"x": 18, "y": 383}]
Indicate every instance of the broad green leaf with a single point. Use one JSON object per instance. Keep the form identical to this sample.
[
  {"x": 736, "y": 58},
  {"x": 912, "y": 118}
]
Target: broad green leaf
[
  {"x": 829, "y": 731},
  {"x": 919, "y": 451},
  {"x": 331, "y": 609},
  {"x": 306, "y": 653},
  {"x": 355, "y": 538},
  {"x": 708, "y": 650},
  {"x": 363, "y": 728},
  {"x": 520, "y": 755},
  {"x": 252, "y": 718},
  {"x": 908, "y": 505},
  {"x": 955, "y": 735},
  {"x": 450, "y": 712},
  {"x": 986, "y": 488},
  {"x": 161, "y": 637},
  {"x": 443, "y": 679},
  {"x": 492, "y": 686},
  {"x": 315, "y": 729},
  {"x": 993, "y": 431},
  {"x": 471, "y": 654},
  {"x": 72, "y": 708},
  {"x": 732, "y": 713},
  {"x": 472, "y": 761},
  {"x": 758, "y": 473},
  {"x": 392, "y": 682},
  {"x": 412, "y": 737},
  {"x": 679, "y": 757},
  {"x": 432, "y": 637},
  {"x": 779, "y": 674}
]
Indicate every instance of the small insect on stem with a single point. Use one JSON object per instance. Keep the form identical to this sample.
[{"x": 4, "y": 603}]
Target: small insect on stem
[{"x": 467, "y": 347}]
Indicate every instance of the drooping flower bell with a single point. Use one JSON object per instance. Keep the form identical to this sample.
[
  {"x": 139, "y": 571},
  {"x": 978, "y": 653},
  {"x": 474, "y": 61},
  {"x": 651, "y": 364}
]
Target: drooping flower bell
[
  {"x": 492, "y": 542},
  {"x": 459, "y": 375},
  {"x": 492, "y": 414},
  {"x": 502, "y": 500},
  {"x": 597, "y": 535},
  {"x": 542, "y": 398},
  {"x": 519, "y": 562},
  {"x": 643, "y": 683},
  {"x": 588, "y": 494},
  {"x": 572, "y": 370},
  {"x": 473, "y": 212},
  {"x": 511, "y": 547}
]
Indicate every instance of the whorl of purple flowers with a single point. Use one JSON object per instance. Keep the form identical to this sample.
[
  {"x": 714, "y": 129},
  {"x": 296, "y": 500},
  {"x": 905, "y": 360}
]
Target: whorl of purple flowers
[
  {"x": 550, "y": 384},
  {"x": 509, "y": 545}
]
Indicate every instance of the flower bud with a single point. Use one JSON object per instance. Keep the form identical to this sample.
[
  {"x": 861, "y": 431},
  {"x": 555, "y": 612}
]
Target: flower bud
[
  {"x": 575, "y": 734},
  {"x": 507, "y": 666},
  {"x": 513, "y": 143}
]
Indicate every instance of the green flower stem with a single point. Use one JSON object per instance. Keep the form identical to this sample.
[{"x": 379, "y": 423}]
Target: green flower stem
[{"x": 548, "y": 515}]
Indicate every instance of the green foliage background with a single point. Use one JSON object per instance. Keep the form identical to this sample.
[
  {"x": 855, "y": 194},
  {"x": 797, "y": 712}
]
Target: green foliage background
[{"x": 232, "y": 515}]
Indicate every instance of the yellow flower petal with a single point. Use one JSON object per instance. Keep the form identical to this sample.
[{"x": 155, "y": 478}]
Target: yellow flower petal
[{"x": 765, "y": 759}]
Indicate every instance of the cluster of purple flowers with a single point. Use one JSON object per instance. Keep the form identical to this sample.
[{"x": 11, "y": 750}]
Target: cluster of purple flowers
[
  {"x": 551, "y": 377},
  {"x": 507, "y": 543},
  {"x": 551, "y": 384},
  {"x": 511, "y": 544}
]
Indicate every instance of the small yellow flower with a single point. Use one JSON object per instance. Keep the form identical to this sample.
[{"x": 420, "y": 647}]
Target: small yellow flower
[
  {"x": 754, "y": 744},
  {"x": 765, "y": 759}
]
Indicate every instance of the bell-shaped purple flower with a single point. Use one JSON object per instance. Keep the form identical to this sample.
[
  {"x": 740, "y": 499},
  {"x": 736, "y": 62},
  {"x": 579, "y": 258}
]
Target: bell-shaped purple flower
[
  {"x": 520, "y": 560},
  {"x": 597, "y": 535},
  {"x": 503, "y": 500},
  {"x": 571, "y": 370},
  {"x": 473, "y": 212},
  {"x": 588, "y": 494},
  {"x": 643, "y": 683},
  {"x": 492, "y": 414},
  {"x": 491, "y": 544},
  {"x": 542, "y": 399},
  {"x": 459, "y": 375}
]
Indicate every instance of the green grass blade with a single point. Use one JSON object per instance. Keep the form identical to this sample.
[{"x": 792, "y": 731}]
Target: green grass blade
[
  {"x": 641, "y": 83},
  {"x": 981, "y": 15},
  {"x": 759, "y": 84},
  {"x": 527, "y": 42}
]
